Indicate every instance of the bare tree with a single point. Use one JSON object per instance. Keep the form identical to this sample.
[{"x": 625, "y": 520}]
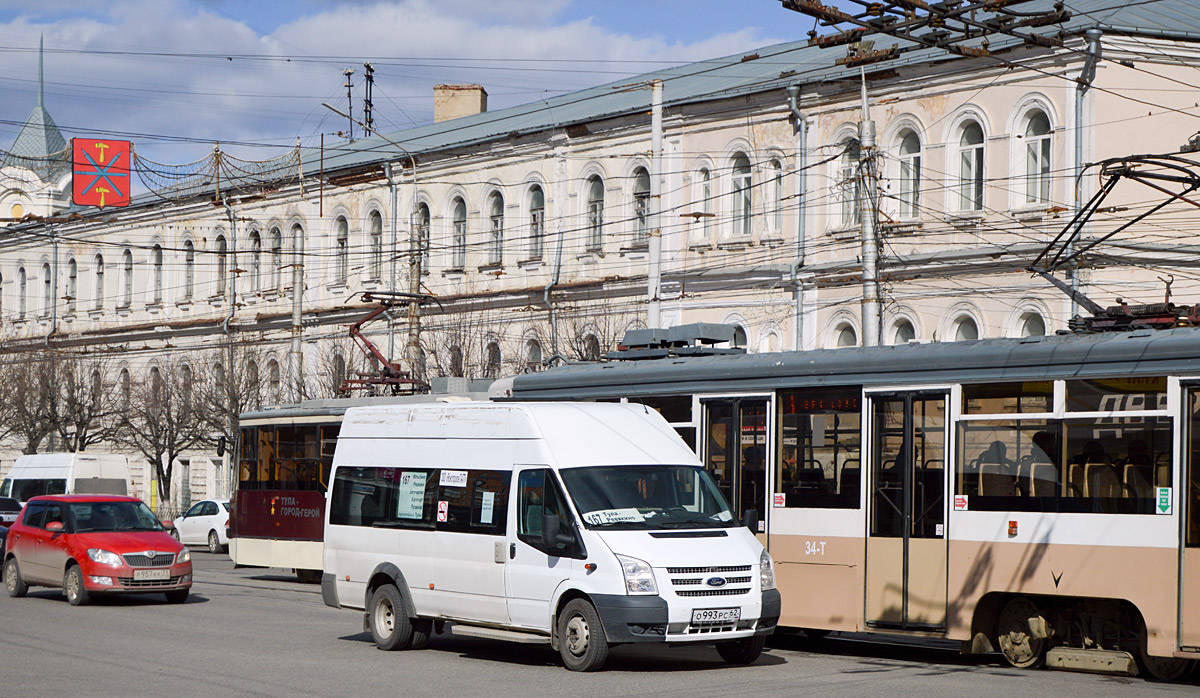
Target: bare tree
[
  {"x": 88, "y": 409},
  {"x": 164, "y": 419},
  {"x": 30, "y": 410},
  {"x": 231, "y": 384},
  {"x": 337, "y": 359}
]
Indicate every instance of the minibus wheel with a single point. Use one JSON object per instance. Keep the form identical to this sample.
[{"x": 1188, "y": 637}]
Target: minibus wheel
[
  {"x": 390, "y": 626},
  {"x": 743, "y": 651},
  {"x": 582, "y": 643},
  {"x": 422, "y": 628}
]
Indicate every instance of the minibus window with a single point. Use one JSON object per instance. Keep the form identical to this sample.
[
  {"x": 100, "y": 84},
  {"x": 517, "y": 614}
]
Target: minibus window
[
  {"x": 476, "y": 501},
  {"x": 388, "y": 497},
  {"x": 537, "y": 496}
]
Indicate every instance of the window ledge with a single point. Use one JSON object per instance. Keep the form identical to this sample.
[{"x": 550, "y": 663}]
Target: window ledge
[
  {"x": 1036, "y": 212},
  {"x": 154, "y": 307},
  {"x": 337, "y": 287},
  {"x": 734, "y": 245},
  {"x": 372, "y": 284},
  {"x": 269, "y": 295},
  {"x": 453, "y": 272},
  {"x": 965, "y": 217},
  {"x": 844, "y": 233},
  {"x": 590, "y": 256},
  {"x": 122, "y": 311},
  {"x": 531, "y": 263},
  {"x": 94, "y": 313},
  {"x": 184, "y": 304},
  {"x": 772, "y": 239},
  {"x": 497, "y": 268},
  {"x": 215, "y": 301},
  {"x": 700, "y": 247},
  {"x": 908, "y": 226}
]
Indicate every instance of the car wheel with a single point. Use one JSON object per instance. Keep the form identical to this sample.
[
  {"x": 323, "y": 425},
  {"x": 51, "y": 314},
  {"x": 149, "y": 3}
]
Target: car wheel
[
  {"x": 177, "y": 596},
  {"x": 175, "y": 533},
  {"x": 581, "y": 640},
  {"x": 12, "y": 579},
  {"x": 390, "y": 627},
  {"x": 77, "y": 594},
  {"x": 214, "y": 543},
  {"x": 743, "y": 651}
]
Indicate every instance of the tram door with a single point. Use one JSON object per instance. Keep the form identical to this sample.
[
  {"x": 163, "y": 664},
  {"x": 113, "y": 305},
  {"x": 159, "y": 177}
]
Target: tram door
[
  {"x": 1189, "y": 580},
  {"x": 906, "y": 545},
  {"x": 735, "y": 451}
]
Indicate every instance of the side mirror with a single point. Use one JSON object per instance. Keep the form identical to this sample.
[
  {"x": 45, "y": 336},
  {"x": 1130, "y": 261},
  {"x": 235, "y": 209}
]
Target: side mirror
[
  {"x": 750, "y": 519},
  {"x": 553, "y": 535},
  {"x": 167, "y": 525},
  {"x": 55, "y": 527}
]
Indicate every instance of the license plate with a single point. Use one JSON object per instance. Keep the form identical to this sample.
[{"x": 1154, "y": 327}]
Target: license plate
[
  {"x": 716, "y": 615},
  {"x": 152, "y": 574}
]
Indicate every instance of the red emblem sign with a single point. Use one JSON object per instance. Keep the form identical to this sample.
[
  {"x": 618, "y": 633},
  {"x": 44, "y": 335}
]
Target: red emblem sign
[{"x": 100, "y": 172}]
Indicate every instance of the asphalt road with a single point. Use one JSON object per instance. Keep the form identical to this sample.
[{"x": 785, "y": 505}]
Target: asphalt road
[{"x": 260, "y": 633}]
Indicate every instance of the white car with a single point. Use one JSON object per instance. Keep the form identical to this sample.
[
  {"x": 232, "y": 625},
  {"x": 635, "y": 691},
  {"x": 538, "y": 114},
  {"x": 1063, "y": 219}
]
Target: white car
[
  {"x": 204, "y": 524},
  {"x": 10, "y": 509}
]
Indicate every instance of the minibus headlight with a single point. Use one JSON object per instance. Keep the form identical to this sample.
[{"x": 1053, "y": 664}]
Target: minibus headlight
[
  {"x": 639, "y": 577},
  {"x": 104, "y": 557},
  {"x": 766, "y": 571}
]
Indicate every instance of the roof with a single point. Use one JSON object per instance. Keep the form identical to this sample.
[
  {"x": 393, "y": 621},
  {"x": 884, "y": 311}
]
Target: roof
[
  {"x": 1140, "y": 353},
  {"x": 40, "y": 146}
]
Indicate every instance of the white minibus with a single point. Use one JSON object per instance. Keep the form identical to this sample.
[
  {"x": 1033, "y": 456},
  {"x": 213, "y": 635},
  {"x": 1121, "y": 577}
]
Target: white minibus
[
  {"x": 67, "y": 473},
  {"x": 578, "y": 525}
]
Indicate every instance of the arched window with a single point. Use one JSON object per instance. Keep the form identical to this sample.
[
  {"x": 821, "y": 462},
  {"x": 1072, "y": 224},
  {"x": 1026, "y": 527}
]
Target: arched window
[
  {"x": 775, "y": 216},
  {"x": 533, "y": 356},
  {"x": 1033, "y": 325},
  {"x": 222, "y": 265},
  {"x": 904, "y": 332},
  {"x": 156, "y": 384},
  {"x": 591, "y": 348},
  {"x": 273, "y": 382},
  {"x": 99, "y": 278},
  {"x": 22, "y": 283},
  {"x": 375, "y": 226},
  {"x": 97, "y": 389},
  {"x": 72, "y": 284},
  {"x": 189, "y": 269},
  {"x": 341, "y": 252},
  {"x": 219, "y": 377},
  {"x": 123, "y": 388},
  {"x": 185, "y": 379},
  {"x": 156, "y": 256},
  {"x": 276, "y": 259},
  {"x": 496, "y": 229},
  {"x": 126, "y": 279},
  {"x": 970, "y": 167},
  {"x": 423, "y": 233},
  {"x": 965, "y": 329},
  {"x": 458, "y": 244},
  {"x": 704, "y": 198},
  {"x": 845, "y": 336},
  {"x": 910, "y": 175},
  {"x": 641, "y": 206},
  {"x": 595, "y": 214},
  {"x": 848, "y": 186},
  {"x": 255, "y": 262},
  {"x": 47, "y": 293},
  {"x": 253, "y": 392},
  {"x": 456, "y": 361},
  {"x": 339, "y": 371},
  {"x": 537, "y": 221},
  {"x": 1037, "y": 158},
  {"x": 743, "y": 196},
  {"x": 740, "y": 340},
  {"x": 491, "y": 369}
]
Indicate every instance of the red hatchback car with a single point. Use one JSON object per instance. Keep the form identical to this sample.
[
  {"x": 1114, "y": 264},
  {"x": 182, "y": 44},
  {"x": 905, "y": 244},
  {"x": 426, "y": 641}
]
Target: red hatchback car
[{"x": 94, "y": 544}]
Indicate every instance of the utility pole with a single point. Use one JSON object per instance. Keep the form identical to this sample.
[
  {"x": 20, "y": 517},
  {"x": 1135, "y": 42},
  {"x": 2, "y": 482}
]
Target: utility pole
[
  {"x": 368, "y": 120},
  {"x": 654, "y": 273},
  {"x": 870, "y": 220},
  {"x": 349, "y": 101}
]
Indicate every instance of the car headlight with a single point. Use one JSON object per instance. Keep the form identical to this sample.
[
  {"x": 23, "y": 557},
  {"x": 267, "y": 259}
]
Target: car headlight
[
  {"x": 104, "y": 557},
  {"x": 639, "y": 577},
  {"x": 184, "y": 555},
  {"x": 766, "y": 571}
]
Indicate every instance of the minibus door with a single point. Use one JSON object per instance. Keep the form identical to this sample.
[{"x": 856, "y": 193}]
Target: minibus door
[
  {"x": 533, "y": 570},
  {"x": 906, "y": 544},
  {"x": 1189, "y": 579},
  {"x": 735, "y": 452}
]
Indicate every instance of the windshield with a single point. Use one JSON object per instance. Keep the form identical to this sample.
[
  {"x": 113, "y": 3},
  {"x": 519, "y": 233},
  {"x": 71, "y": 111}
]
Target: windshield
[
  {"x": 92, "y": 517},
  {"x": 642, "y": 497}
]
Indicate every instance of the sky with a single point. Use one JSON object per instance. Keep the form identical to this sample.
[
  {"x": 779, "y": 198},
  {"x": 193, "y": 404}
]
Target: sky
[{"x": 176, "y": 75}]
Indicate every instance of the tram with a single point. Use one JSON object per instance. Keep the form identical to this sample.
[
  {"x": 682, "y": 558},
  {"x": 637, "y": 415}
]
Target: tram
[
  {"x": 278, "y": 502},
  {"x": 1039, "y": 497}
]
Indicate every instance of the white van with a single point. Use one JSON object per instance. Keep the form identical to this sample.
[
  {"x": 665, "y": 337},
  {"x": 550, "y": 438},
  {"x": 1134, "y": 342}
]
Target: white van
[
  {"x": 579, "y": 525},
  {"x": 67, "y": 473}
]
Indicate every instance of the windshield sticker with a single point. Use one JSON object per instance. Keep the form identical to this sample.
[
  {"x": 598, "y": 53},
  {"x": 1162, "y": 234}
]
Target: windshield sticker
[
  {"x": 410, "y": 499},
  {"x": 724, "y": 515},
  {"x": 454, "y": 478},
  {"x": 612, "y": 516},
  {"x": 485, "y": 512}
]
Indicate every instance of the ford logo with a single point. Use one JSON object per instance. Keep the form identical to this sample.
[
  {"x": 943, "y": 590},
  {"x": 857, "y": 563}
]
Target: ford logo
[{"x": 715, "y": 581}]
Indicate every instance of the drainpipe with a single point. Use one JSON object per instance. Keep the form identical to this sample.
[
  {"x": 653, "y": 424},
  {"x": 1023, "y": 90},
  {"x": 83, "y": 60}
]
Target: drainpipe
[
  {"x": 387, "y": 172},
  {"x": 53, "y": 286},
  {"x": 1082, "y": 83},
  {"x": 654, "y": 272},
  {"x": 801, "y": 129},
  {"x": 231, "y": 418},
  {"x": 560, "y": 224}
]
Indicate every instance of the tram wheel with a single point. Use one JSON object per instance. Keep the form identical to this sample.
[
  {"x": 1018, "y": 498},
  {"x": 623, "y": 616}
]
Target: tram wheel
[
  {"x": 1163, "y": 668},
  {"x": 1019, "y": 648}
]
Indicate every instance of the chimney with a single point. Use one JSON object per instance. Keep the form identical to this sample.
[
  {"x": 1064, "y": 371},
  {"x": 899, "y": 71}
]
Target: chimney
[{"x": 453, "y": 101}]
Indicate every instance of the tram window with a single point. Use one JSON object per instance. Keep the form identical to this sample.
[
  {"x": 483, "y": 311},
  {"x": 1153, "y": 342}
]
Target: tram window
[
  {"x": 1108, "y": 465},
  {"x": 675, "y": 410},
  {"x": 819, "y": 464},
  {"x": 1191, "y": 480},
  {"x": 1008, "y": 398},
  {"x": 1117, "y": 395},
  {"x": 688, "y": 434}
]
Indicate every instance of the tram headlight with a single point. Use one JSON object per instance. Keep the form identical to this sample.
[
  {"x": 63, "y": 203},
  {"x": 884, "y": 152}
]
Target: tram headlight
[
  {"x": 639, "y": 576},
  {"x": 766, "y": 571}
]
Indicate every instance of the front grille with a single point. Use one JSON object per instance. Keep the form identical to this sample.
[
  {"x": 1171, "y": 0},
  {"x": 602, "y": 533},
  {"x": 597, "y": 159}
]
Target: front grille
[
  {"x": 713, "y": 592},
  {"x": 699, "y": 628},
  {"x": 131, "y": 583},
  {"x": 160, "y": 559},
  {"x": 707, "y": 570},
  {"x": 738, "y": 580},
  {"x": 685, "y": 582}
]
